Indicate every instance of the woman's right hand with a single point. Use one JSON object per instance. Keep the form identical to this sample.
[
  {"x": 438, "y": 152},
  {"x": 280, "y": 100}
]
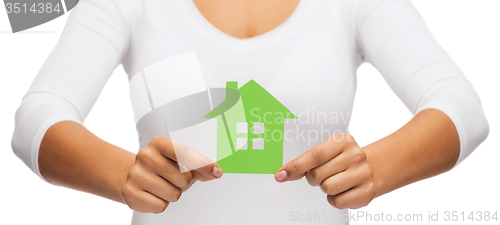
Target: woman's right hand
[{"x": 156, "y": 178}]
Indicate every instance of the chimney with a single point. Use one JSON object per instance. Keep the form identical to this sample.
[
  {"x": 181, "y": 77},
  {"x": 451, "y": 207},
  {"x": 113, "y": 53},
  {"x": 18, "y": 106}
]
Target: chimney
[{"x": 232, "y": 85}]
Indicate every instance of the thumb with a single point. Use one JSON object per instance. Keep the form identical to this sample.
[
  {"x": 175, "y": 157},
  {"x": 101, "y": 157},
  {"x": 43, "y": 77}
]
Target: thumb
[
  {"x": 207, "y": 173},
  {"x": 285, "y": 173},
  {"x": 201, "y": 167}
]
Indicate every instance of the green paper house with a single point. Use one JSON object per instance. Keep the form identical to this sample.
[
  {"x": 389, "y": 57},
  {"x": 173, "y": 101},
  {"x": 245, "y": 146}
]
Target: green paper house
[{"x": 250, "y": 134}]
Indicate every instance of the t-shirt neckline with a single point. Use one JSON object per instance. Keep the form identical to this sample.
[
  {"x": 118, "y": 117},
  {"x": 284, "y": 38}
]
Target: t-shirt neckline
[{"x": 212, "y": 32}]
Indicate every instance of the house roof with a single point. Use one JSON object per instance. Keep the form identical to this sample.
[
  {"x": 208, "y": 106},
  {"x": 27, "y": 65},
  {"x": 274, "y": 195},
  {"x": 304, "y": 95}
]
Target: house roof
[{"x": 253, "y": 96}]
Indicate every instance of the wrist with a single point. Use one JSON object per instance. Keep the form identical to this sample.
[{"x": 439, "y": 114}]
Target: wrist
[
  {"x": 116, "y": 184},
  {"x": 377, "y": 170}
]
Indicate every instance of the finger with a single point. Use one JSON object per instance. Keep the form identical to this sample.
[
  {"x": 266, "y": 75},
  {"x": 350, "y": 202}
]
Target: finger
[
  {"x": 188, "y": 157},
  {"x": 317, "y": 175},
  {"x": 354, "y": 198},
  {"x": 152, "y": 160},
  {"x": 199, "y": 175},
  {"x": 153, "y": 183},
  {"x": 142, "y": 201},
  {"x": 170, "y": 171},
  {"x": 312, "y": 158},
  {"x": 190, "y": 174},
  {"x": 181, "y": 177},
  {"x": 343, "y": 181},
  {"x": 159, "y": 187}
]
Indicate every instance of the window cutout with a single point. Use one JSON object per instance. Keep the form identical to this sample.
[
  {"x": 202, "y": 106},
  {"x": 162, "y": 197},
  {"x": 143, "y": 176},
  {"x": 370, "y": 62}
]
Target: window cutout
[
  {"x": 241, "y": 143},
  {"x": 242, "y": 127},
  {"x": 258, "y": 128},
  {"x": 258, "y": 143}
]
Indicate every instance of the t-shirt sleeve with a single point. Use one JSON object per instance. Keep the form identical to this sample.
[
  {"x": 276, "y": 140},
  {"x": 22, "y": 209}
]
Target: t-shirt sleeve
[
  {"x": 91, "y": 46},
  {"x": 395, "y": 40}
]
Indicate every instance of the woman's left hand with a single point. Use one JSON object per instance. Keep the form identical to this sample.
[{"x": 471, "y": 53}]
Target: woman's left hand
[{"x": 340, "y": 167}]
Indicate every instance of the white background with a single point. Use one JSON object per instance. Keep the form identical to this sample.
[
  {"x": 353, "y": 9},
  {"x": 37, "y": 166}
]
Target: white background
[{"x": 468, "y": 30}]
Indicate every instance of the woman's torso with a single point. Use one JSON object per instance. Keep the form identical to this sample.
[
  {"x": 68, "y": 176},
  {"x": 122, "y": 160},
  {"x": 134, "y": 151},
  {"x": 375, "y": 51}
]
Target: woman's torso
[{"x": 308, "y": 64}]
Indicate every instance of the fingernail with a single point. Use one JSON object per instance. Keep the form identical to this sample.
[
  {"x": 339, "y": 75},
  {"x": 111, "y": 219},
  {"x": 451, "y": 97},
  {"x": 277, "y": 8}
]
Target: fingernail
[
  {"x": 281, "y": 175},
  {"x": 217, "y": 172}
]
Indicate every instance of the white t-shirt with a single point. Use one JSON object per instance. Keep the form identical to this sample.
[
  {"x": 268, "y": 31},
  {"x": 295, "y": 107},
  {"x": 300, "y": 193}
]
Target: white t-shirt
[{"x": 308, "y": 64}]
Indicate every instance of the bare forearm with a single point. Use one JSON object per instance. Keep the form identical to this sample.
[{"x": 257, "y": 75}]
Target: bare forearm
[
  {"x": 426, "y": 146},
  {"x": 73, "y": 157}
]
